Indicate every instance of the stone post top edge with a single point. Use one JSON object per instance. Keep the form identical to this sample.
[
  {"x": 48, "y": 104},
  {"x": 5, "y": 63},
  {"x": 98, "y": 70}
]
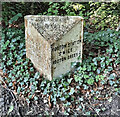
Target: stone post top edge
[{"x": 36, "y": 16}]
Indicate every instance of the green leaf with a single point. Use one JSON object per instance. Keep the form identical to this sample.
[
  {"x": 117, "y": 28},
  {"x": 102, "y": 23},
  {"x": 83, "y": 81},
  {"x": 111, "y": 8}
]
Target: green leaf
[
  {"x": 15, "y": 18},
  {"x": 81, "y": 99},
  {"x": 69, "y": 80},
  {"x": 86, "y": 76},
  {"x": 97, "y": 110},
  {"x": 98, "y": 71},
  {"x": 31, "y": 69},
  {"x": 62, "y": 99},
  {"x": 10, "y": 109},
  {"x": 36, "y": 75},
  {"x": 111, "y": 82},
  {"x": 112, "y": 77},
  {"x": 110, "y": 99},
  {"x": 90, "y": 81},
  {"x": 49, "y": 10},
  {"x": 10, "y": 84},
  {"x": 18, "y": 89},
  {"x": 87, "y": 113},
  {"x": 85, "y": 86},
  {"x": 71, "y": 91},
  {"x": 110, "y": 68},
  {"x": 6, "y": 43}
]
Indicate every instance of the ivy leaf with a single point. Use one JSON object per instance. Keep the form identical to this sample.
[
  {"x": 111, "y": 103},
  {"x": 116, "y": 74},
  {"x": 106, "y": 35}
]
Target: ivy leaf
[
  {"x": 112, "y": 77},
  {"x": 110, "y": 99},
  {"x": 15, "y": 18},
  {"x": 71, "y": 91},
  {"x": 35, "y": 98},
  {"x": 6, "y": 43},
  {"x": 81, "y": 99},
  {"x": 10, "y": 84},
  {"x": 85, "y": 86},
  {"x": 110, "y": 68},
  {"x": 18, "y": 89},
  {"x": 98, "y": 71},
  {"x": 111, "y": 82},
  {"x": 62, "y": 99},
  {"x": 10, "y": 109},
  {"x": 69, "y": 80},
  {"x": 95, "y": 61},
  {"x": 90, "y": 81},
  {"x": 36, "y": 75}
]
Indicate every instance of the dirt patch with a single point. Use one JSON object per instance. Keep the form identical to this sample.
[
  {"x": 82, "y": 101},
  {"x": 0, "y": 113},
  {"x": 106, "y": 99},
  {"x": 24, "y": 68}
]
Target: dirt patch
[{"x": 41, "y": 107}]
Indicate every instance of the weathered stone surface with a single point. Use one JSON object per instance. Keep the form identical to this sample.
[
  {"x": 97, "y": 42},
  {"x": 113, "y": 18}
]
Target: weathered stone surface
[{"x": 53, "y": 42}]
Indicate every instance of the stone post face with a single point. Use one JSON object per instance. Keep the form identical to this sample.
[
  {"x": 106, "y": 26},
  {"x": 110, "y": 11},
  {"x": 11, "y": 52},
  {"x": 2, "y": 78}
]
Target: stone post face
[{"x": 53, "y": 42}]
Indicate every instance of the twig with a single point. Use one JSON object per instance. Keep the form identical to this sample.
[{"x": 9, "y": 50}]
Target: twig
[{"x": 93, "y": 108}]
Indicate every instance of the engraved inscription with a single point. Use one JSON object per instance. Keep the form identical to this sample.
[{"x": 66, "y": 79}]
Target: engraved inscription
[
  {"x": 52, "y": 27},
  {"x": 68, "y": 49}
]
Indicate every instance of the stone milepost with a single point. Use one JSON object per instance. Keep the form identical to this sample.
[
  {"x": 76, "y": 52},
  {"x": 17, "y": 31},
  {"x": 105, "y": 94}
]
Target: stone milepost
[{"x": 53, "y": 42}]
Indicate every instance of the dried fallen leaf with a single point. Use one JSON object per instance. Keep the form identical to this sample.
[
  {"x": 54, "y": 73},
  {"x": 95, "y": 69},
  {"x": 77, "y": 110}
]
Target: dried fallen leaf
[
  {"x": 14, "y": 82},
  {"x": 95, "y": 104},
  {"x": 33, "y": 96},
  {"x": 1, "y": 72},
  {"x": 16, "y": 63},
  {"x": 63, "y": 110},
  {"x": 50, "y": 105}
]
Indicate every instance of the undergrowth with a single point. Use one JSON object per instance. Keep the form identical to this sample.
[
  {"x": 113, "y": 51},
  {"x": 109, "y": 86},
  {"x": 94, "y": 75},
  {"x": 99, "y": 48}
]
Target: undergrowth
[{"x": 98, "y": 69}]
